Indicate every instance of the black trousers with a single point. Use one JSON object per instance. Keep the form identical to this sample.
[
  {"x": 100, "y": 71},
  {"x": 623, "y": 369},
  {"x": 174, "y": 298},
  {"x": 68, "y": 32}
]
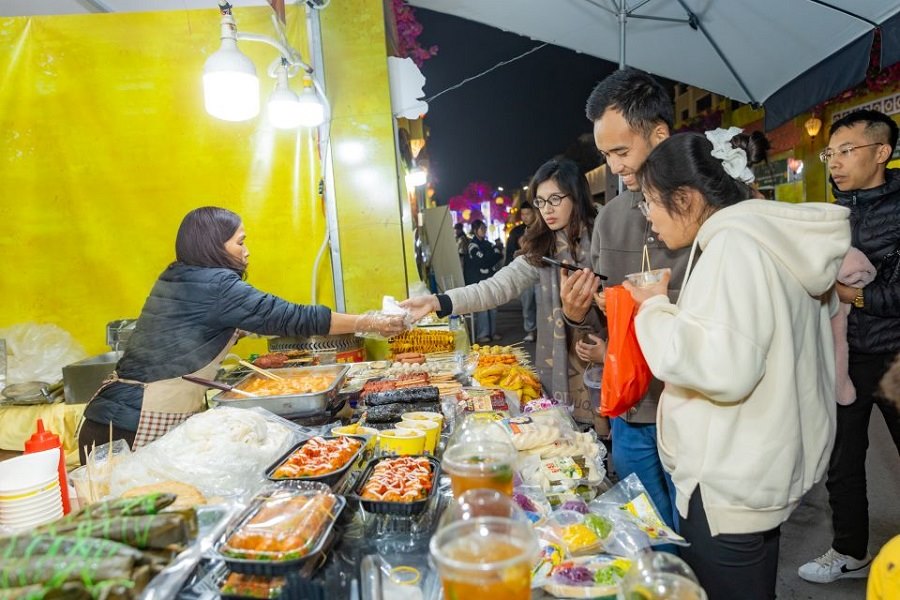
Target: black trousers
[
  {"x": 95, "y": 433},
  {"x": 730, "y": 566},
  {"x": 847, "y": 471}
]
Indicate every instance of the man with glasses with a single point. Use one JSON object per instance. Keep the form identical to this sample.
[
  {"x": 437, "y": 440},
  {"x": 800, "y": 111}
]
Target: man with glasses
[
  {"x": 858, "y": 151},
  {"x": 631, "y": 113}
]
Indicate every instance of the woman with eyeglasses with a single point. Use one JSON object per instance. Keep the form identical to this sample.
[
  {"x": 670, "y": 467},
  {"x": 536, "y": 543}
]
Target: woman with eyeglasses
[
  {"x": 563, "y": 200},
  {"x": 747, "y": 416}
]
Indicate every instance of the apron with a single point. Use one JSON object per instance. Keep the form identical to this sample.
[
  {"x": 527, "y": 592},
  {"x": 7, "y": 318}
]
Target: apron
[{"x": 169, "y": 402}]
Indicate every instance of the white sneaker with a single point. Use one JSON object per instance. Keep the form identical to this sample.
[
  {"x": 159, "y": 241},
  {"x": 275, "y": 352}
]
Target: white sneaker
[
  {"x": 833, "y": 565},
  {"x": 529, "y": 337}
]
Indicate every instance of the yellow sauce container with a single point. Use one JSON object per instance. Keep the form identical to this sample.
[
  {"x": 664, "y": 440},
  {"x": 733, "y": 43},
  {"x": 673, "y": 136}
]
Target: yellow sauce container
[
  {"x": 368, "y": 432},
  {"x": 432, "y": 432},
  {"x": 401, "y": 441}
]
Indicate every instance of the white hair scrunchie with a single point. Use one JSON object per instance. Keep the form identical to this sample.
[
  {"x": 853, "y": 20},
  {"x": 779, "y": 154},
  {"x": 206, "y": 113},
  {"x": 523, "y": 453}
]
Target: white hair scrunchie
[{"x": 734, "y": 160}]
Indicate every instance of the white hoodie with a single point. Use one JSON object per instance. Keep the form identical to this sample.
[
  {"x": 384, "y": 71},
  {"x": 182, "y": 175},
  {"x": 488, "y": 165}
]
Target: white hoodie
[{"x": 748, "y": 410}]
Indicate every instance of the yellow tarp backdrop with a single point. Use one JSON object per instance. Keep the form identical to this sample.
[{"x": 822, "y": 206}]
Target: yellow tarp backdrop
[{"x": 105, "y": 145}]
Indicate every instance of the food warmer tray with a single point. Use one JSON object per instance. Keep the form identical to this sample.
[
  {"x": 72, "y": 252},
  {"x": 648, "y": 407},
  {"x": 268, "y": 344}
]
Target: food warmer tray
[{"x": 290, "y": 405}]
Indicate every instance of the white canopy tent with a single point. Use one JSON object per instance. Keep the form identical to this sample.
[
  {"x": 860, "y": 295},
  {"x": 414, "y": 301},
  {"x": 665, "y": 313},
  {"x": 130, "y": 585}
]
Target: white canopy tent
[{"x": 787, "y": 55}]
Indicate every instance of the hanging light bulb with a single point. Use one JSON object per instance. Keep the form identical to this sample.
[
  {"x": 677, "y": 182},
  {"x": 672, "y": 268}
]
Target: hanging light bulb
[
  {"x": 230, "y": 85},
  {"x": 417, "y": 177},
  {"x": 284, "y": 108},
  {"x": 312, "y": 109}
]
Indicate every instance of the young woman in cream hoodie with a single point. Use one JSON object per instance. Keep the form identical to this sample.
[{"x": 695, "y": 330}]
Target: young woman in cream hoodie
[{"x": 746, "y": 420}]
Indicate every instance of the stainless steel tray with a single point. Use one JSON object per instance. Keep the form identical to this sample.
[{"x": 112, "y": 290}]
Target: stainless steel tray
[{"x": 292, "y": 405}]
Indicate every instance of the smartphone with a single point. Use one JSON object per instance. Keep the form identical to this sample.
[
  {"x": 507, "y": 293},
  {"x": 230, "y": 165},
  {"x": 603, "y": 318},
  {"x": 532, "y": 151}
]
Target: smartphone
[{"x": 569, "y": 267}]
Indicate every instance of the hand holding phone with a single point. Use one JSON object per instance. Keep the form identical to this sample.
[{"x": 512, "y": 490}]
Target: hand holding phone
[{"x": 569, "y": 267}]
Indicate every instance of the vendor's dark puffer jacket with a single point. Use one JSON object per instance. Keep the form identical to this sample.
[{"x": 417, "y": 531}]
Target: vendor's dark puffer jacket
[
  {"x": 875, "y": 229},
  {"x": 188, "y": 318}
]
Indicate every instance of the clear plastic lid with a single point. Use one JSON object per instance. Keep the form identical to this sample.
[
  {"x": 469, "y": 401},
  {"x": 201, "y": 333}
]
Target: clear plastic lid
[{"x": 287, "y": 522}]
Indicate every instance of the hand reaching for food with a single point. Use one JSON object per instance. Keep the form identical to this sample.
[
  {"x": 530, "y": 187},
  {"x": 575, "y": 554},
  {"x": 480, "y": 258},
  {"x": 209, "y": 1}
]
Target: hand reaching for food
[{"x": 419, "y": 306}]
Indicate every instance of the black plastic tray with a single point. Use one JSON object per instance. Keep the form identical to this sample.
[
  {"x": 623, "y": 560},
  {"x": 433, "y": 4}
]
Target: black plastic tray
[
  {"x": 385, "y": 507},
  {"x": 329, "y": 478},
  {"x": 273, "y": 568}
]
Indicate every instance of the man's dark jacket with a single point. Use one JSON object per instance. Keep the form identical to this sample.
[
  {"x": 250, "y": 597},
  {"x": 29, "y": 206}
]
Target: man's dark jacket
[{"x": 875, "y": 230}]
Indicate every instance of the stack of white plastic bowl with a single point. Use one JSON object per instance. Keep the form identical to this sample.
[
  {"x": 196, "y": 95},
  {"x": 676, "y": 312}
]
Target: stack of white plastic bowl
[{"x": 29, "y": 490}]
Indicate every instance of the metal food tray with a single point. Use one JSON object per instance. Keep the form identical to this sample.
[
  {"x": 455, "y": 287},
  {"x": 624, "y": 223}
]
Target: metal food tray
[{"x": 290, "y": 405}]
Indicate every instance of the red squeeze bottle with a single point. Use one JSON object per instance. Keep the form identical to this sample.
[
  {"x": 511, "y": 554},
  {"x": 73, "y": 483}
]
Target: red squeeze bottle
[{"x": 47, "y": 440}]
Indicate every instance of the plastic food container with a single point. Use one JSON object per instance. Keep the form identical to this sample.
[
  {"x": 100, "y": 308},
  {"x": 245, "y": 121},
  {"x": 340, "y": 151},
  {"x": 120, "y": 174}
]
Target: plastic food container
[
  {"x": 329, "y": 478},
  {"x": 283, "y": 527},
  {"x": 397, "y": 508},
  {"x": 237, "y": 586},
  {"x": 646, "y": 278}
]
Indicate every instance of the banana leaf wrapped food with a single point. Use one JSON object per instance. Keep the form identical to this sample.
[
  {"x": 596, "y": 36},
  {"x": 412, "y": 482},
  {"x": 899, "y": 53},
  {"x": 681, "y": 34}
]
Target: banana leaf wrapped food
[
  {"x": 29, "y": 546},
  {"x": 160, "y": 531},
  {"x": 148, "y": 504},
  {"x": 117, "y": 589},
  {"x": 52, "y": 571}
]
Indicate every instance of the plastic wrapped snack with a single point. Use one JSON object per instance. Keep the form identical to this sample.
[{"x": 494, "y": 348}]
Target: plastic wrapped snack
[
  {"x": 282, "y": 526},
  {"x": 580, "y": 533},
  {"x": 221, "y": 452},
  {"x": 637, "y": 524},
  {"x": 587, "y": 577}
]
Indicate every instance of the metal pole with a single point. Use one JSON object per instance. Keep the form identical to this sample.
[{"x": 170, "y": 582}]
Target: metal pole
[
  {"x": 316, "y": 59},
  {"x": 623, "y": 16}
]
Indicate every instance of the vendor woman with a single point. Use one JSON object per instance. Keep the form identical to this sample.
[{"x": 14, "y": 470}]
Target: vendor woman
[{"x": 190, "y": 322}]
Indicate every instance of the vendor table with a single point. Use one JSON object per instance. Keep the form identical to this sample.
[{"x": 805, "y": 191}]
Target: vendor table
[{"x": 17, "y": 423}]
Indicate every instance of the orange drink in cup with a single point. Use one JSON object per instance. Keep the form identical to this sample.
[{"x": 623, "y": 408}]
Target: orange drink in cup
[
  {"x": 485, "y": 557},
  {"x": 480, "y": 464}
]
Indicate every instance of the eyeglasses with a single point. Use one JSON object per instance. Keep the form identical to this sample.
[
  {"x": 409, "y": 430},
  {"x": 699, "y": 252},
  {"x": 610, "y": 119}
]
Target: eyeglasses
[
  {"x": 552, "y": 200},
  {"x": 826, "y": 155},
  {"x": 645, "y": 207}
]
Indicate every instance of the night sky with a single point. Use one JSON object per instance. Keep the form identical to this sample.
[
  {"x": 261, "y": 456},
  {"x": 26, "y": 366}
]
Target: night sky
[{"x": 502, "y": 126}]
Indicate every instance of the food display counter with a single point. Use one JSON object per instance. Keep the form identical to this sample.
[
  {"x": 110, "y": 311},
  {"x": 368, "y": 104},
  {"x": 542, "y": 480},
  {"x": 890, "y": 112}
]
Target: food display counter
[{"x": 347, "y": 509}]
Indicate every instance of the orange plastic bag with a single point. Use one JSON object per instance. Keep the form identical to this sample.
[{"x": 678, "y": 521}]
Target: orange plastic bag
[{"x": 626, "y": 376}]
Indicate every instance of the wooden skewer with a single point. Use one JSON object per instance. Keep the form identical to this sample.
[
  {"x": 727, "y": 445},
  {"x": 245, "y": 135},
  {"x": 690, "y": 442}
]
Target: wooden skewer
[{"x": 262, "y": 372}]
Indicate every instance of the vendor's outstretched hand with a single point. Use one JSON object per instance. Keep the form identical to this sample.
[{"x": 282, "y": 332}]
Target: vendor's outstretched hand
[
  {"x": 377, "y": 323},
  {"x": 641, "y": 294},
  {"x": 419, "y": 306}
]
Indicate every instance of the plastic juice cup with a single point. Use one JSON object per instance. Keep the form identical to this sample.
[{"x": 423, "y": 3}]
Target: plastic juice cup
[
  {"x": 646, "y": 278},
  {"x": 485, "y": 557},
  {"x": 401, "y": 441},
  {"x": 480, "y": 464},
  {"x": 664, "y": 586},
  {"x": 431, "y": 429}
]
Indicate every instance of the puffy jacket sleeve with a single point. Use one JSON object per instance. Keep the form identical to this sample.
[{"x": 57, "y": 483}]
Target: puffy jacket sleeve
[
  {"x": 716, "y": 341},
  {"x": 242, "y": 306},
  {"x": 882, "y": 296},
  {"x": 503, "y": 286}
]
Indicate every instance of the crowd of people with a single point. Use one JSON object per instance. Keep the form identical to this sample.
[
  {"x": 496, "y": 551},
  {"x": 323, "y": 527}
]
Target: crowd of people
[{"x": 768, "y": 335}]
